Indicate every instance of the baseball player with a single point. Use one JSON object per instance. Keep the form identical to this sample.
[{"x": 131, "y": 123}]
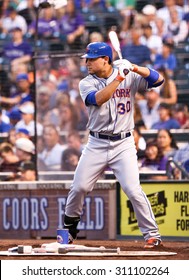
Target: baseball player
[{"x": 108, "y": 92}]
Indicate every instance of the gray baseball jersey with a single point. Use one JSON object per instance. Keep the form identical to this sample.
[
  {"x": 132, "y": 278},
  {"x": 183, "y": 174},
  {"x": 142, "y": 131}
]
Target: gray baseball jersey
[{"x": 116, "y": 115}]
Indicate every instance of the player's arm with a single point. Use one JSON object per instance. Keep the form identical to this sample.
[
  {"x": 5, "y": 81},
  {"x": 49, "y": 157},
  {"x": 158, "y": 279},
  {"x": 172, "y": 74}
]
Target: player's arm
[
  {"x": 106, "y": 93},
  {"x": 153, "y": 78},
  {"x": 98, "y": 98}
]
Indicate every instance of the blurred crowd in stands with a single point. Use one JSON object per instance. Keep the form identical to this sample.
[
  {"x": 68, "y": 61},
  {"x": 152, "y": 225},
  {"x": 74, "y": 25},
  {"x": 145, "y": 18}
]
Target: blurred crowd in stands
[{"x": 41, "y": 96}]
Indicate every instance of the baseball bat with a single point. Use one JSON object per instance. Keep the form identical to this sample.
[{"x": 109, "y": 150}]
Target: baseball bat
[
  {"x": 88, "y": 250},
  {"x": 115, "y": 43}
]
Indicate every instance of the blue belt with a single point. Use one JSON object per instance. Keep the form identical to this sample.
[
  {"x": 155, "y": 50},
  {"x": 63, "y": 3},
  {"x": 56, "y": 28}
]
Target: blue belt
[{"x": 110, "y": 137}]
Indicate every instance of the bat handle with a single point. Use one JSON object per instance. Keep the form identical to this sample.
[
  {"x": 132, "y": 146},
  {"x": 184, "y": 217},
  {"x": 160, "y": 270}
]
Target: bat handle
[{"x": 120, "y": 54}]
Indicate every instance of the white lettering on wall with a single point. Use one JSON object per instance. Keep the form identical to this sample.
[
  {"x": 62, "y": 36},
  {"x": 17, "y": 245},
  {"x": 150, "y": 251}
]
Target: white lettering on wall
[{"x": 25, "y": 213}]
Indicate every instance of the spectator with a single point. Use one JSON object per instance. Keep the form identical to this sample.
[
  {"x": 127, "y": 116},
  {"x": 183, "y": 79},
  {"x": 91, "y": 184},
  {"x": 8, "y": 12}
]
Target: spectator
[
  {"x": 14, "y": 116},
  {"x": 27, "y": 9},
  {"x": 68, "y": 117},
  {"x": 53, "y": 115},
  {"x": 22, "y": 133},
  {"x": 161, "y": 27},
  {"x": 166, "y": 59},
  {"x": 181, "y": 157},
  {"x": 154, "y": 158},
  {"x": 27, "y": 171},
  {"x": 43, "y": 102},
  {"x": 9, "y": 161},
  {"x": 164, "y": 11},
  {"x": 182, "y": 154},
  {"x": 13, "y": 20},
  {"x": 27, "y": 122},
  {"x": 137, "y": 19},
  {"x": 135, "y": 51},
  {"x": 74, "y": 141},
  {"x": 52, "y": 152},
  {"x": 149, "y": 107},
  {"x": 168, "y": 90},
  {"x": 186, "y": 125},
  {"x": 166, "y": 142},
  {"x": 25, "y": 149},
  {"x": 153, "y": 42},
  {"x": 23, "y": 93},
  {"x": 96, "y": 36},
  {"x": 17, "y": 51},
  {"x": 72, "y": 25},
  {"x": 70, "y": 158},
  {"x": 181, "y": 114},
  {"x": 177, "y": 29},
  {"x": 47, "y": 25},
  {"x": 45, "y": 72},
  {"x": 149, "y": 11},
  {"x": 166, "y": 120},
  {"x": 72, "y": 66}
]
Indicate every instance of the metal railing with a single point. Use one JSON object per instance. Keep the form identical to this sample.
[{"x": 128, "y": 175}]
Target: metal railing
[{"x": 172, "y": 165}]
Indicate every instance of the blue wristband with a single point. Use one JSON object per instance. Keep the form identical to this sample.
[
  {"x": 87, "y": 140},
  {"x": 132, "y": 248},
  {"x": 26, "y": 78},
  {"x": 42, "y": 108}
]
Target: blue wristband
[{"x": 152, "y": 78}]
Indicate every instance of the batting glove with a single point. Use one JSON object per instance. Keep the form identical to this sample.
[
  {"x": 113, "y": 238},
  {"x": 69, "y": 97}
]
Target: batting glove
[
  {"x": 122, "y": 73},
  {"x": 127, "y": 64}
]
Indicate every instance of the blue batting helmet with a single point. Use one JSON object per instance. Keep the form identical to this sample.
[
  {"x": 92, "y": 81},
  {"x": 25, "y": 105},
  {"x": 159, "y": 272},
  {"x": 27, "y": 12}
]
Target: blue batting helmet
[{"x": 98, "y": 49}]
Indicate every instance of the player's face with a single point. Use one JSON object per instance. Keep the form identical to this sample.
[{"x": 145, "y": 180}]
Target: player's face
[{"x": 95, "y": 65}]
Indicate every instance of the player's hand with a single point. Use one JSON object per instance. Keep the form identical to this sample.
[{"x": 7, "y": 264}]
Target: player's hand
[
  {"x": 126, "y": 63},
  {"x": 123, "y": 71}
]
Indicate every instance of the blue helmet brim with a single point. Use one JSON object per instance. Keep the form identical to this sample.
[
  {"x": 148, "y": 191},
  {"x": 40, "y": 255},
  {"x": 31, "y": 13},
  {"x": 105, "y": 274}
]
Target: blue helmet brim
[{"x": 89, "y": 55}]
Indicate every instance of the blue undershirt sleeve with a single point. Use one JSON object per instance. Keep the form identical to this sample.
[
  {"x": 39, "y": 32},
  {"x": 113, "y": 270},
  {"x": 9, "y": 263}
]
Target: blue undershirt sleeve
[
  {"x": 91, "y": 99},
  {"x": 152, "y": 78}
]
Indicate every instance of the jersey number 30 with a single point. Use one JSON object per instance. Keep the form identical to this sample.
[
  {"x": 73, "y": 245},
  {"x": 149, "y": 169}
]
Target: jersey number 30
[{"x": 123, "y": 108}]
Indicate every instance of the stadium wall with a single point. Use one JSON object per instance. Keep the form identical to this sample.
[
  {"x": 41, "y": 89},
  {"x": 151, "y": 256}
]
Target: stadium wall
[{"x": 36, "y": 209}]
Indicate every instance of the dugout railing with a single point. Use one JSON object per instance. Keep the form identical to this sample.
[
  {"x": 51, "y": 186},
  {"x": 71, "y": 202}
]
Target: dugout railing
[{"x": 109, "y": 175}]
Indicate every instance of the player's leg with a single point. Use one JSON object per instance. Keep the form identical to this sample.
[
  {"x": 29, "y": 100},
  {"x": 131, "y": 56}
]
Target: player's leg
[
  {"x": 91, "y": 165},
  {"x": 125, "y": 168}
]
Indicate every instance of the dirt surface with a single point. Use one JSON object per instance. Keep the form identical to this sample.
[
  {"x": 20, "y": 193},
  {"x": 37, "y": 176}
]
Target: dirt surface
[{"x": 181, "y": 248}]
